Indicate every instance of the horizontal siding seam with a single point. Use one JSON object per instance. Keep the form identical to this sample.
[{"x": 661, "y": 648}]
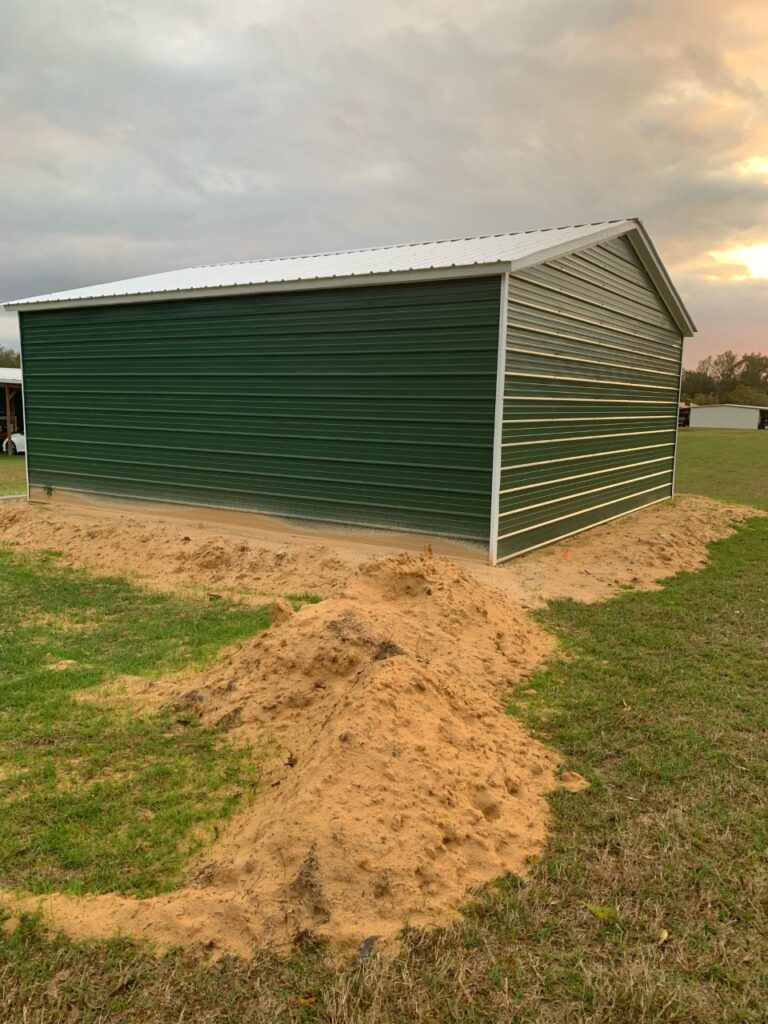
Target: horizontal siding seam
[
  {"x": 589, "y": 380},
  {"x": 581, "y": 297},
  {"x": 580, "y": 494},
  {"x": 581, "y": 476},
  {"x": 582, "y": 437},
  {"x": 582, "y": 529},
  {"x": 586, "y": 398},
  {"x": 568, "y": 358},
  {"x": 267, "y": 455},
  {"x": 601, "y": 325},
  {"x": 588, "y": 455},
  {"x": 473, "y": 539},
  {"x": 581, "y": 512},
  {"x": 277, "y": 494}
]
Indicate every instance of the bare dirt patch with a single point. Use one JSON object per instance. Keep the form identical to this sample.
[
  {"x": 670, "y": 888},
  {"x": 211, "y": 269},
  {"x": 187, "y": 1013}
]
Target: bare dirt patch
[
  {"x": 257, "y": 558},
  {"x": 395, "y": 782},
  {"x": 635, "y": 551}
]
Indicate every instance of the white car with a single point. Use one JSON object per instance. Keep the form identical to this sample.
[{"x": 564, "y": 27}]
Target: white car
[{"x": 19, "y": 443}]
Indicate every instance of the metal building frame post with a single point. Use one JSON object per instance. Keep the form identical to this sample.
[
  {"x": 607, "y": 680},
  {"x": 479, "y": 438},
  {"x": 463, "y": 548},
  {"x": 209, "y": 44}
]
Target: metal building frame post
[
  {"x": 23, "y": 404},
  {"x": 498, "y": 425},
  {"x": 677, "y": 413}
]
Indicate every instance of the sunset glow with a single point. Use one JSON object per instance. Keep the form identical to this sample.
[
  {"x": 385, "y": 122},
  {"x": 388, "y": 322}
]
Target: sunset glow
[
  {"x": 755, "y": 165},
  {"x": 753, "y": 258}
]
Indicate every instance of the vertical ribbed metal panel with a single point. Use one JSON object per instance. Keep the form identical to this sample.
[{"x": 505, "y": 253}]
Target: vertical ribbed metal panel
[
  {"x": 366, "y": 405},
  {"x": 590, "y": 396}
]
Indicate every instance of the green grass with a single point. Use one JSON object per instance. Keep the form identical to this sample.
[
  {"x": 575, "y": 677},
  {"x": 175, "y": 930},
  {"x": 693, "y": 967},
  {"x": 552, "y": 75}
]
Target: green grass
[
  {"x": 731, "y": 465},
  {"x": 97, "y": 799},
  {"x": 660, "y": 701},
  {"x": 13, "y": 478}
]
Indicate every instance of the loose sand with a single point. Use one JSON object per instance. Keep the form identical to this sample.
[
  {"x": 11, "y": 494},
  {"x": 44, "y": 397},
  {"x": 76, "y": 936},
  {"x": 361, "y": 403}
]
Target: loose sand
[
  {"x": 394, "y": 783},
  {"x": 255, "y": 557}
]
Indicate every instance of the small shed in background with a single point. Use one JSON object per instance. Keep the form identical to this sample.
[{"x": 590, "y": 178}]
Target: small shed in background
[
  {"x": 508, "y": 390},
  {"x": 727, "y": 416},
  {"x": 11, "y": 406}
]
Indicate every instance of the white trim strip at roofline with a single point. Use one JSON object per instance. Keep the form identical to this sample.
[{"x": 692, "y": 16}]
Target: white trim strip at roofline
[
  {"x": 582, "y": 529},
  {"x": 544, "y": 255},
  {"x": 631, "y": 227},
  {"x": 641, "y": 242},
  {"x": 307, "y": 284}
]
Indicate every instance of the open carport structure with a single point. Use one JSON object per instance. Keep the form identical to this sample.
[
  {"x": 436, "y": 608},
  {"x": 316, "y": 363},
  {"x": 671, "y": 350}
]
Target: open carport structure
[
  {"x": 11, "y": 407},
  {"x": 508, "y": 390}
]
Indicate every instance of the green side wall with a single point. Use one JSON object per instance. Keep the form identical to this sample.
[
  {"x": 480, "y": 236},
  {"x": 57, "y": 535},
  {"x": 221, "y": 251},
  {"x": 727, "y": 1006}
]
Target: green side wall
[
  {"x": 590, "y": 396},
  {"x": 365, "y": 405}
]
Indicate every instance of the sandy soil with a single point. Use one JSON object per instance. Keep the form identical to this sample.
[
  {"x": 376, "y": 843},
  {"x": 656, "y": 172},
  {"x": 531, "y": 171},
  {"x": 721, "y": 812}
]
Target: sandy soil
[
  {"x": 256, "y": 557},
  {"x": 395, "y": 781}
]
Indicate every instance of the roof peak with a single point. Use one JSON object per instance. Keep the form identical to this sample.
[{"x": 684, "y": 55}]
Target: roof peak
[{"x": 411, "y": 245}]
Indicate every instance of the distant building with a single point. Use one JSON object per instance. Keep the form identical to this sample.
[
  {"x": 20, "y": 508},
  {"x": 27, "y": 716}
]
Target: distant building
[
  {"x": 734, "y": 417},
  {"x": 11, "y": 405}
]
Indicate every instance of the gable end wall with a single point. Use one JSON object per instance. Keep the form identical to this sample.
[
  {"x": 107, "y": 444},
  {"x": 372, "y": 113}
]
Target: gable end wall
[{"x": 591, "y": 389}]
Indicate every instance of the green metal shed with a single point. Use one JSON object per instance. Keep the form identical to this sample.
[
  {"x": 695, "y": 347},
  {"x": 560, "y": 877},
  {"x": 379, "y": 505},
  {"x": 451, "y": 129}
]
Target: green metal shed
[{"x": 508, "y": 390}]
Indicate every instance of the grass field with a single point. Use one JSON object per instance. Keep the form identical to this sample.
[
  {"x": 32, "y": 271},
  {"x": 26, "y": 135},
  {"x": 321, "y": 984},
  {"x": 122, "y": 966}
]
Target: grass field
[
  {"x": 13, "y": 478},
  {"x": 731, "y": 465},
  {"x": 95, "y": 799},
  {"x": 650, "y": 903}
]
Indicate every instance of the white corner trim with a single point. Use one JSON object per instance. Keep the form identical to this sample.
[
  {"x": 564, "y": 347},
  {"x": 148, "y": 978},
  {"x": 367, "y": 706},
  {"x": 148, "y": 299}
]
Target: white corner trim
[
  {"x": 677, "y": 420},
  {"x": 498, "y": 426}
]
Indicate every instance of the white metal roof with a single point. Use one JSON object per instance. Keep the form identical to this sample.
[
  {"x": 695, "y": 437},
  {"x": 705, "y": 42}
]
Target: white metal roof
[
  {"x": 727, "y": 405},
  {"x": 489, "y": 253},
  {"x": 10, "y": 375}
]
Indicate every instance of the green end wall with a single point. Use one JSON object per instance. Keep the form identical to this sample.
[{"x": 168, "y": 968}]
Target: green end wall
[
  {"x": 590, "y": 396},
  {"x": 365, "y": 405}
]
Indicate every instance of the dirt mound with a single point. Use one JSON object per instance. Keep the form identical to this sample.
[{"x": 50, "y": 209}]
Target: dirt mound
[
  {"x": 168, "y": 554},
  {"x": 635, "y": 551},
  {"x": 395, "y": 782},
  {"x": 270, "y": 558}
]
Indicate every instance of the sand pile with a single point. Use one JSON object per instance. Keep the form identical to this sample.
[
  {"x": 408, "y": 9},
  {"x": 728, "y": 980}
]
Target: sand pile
[
  {"x": 253, "y": 556},
  {"x": 167, "y": 554},
  {"x": 396, "y": 782},
  {"x": 634, "y": 551}
]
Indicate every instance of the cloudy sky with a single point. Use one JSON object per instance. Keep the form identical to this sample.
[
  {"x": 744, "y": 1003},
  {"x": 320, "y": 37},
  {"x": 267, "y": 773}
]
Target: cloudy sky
[{"x": 156, "y": 134}]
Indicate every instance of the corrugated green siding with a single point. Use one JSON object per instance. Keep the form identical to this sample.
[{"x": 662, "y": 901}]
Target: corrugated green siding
[
  {"x": 590, "y": 396},
  {"x": 368, "y": 405}
]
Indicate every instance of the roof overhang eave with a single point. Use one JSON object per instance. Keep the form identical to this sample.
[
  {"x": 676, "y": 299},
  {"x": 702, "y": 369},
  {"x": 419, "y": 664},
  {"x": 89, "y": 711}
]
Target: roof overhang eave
[{"x": 308, "y": 284}]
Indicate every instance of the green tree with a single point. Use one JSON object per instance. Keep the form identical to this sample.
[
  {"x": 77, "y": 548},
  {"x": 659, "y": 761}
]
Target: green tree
[
  {"x": 752, "y": 370},
  {"x": 9, "y": 357}
]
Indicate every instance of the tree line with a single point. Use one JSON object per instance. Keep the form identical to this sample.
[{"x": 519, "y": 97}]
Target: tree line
[
  {"x": 742, "y": 380},
  {"x": 9, "y": 357}
]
